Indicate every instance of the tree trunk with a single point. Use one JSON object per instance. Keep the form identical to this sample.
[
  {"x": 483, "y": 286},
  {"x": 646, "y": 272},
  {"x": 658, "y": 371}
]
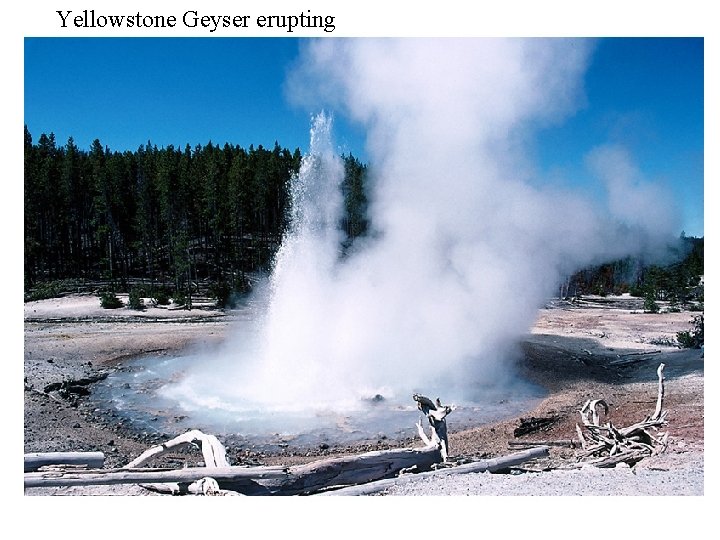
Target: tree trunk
[{"x": 244, "y": 476}]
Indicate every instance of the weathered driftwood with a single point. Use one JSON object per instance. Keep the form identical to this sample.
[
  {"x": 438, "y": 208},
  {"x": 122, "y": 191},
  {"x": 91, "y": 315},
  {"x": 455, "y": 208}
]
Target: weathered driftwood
[
  {"x": 244, "y": 476},
  {"x": 205, "y": 486},
  {"x": 213, "y": 455},
  {"x": 300, "y": 479},
  {"x": 608, "y": 445},
  {"x": 91, "y": 460},
  {"x": 486, "y": 465},
  {"x": 212, "y": 450},
  {"x": 588, "y": 412},
  {"x": 436, "y": 414},
  {"x": 630, "y": 457},
  {"x": 350, "y": 470},
  {"x": 661, "y": 393},
  {"x": 71, "y": 389},
  {"x": 532, "y": 424}
]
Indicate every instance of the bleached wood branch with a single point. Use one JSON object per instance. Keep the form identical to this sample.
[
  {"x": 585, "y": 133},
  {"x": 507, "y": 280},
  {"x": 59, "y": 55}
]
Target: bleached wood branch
[
  {"x": 581, "y": 436},
  {"x": 205, "y": 486},
  {"x": 421, "y": 433},
  {"x": 627, "y": 444},
  {"x": 590, "y": 409},
  {"x": 212, "y": 450},
  {"x": 661, "y": 392},
  {"x": 436, "y": 414},
  {"x": 242, "y": 475}
]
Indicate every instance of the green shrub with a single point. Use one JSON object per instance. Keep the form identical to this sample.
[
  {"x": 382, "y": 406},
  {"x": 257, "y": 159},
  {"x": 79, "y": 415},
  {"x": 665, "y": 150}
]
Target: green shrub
[
  {"x": 693, "y": 339},
  {"x": 222, "y": 292},
  {"x": 135, "y": 300},
  {"x": 650, "y": 304},
  {"x": 182, "y": 299},
  {"x": 664, "y": 341},
  {"x": 44, "y": 290},
  {"x": 109, "y": 300},
  {"x": 161, "y": 296},
  {"x": 636, "y": 291}
]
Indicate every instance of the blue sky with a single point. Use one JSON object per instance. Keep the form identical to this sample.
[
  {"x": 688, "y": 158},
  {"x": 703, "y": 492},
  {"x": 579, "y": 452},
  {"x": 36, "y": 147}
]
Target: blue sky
[{"x": 644, "y": 94}]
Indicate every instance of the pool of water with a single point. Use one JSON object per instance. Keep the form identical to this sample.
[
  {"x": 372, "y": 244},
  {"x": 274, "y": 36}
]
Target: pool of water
[{"x": 144, "y": 394}]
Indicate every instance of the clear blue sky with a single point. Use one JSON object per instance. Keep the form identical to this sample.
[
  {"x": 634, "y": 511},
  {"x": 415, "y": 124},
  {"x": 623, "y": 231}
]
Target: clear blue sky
[{"x": 646, "y": 94}]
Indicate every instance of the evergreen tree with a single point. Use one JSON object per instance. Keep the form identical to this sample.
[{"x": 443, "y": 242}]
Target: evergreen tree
[{"x": 203, "y": 216}]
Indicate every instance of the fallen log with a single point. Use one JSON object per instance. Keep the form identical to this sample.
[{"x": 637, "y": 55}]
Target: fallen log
[
  {"x": 91, "y": 460},
  {"x": 244, "y": 476},
  {"x": 486, "y": 465},
  {"x": 296, "y": 480},
  {"x": 360, "y": 469},
  {"x": 532, "y": 424}
]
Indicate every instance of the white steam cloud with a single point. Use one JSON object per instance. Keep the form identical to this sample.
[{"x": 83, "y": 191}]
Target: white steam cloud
[
  {"x": 631, "y": 198},
  {"x": 465, "y": 248}
]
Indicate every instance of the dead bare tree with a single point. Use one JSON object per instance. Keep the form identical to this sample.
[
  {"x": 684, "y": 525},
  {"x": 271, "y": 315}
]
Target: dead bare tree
[
  {"x": 607, "y": 445},
  {"x": 436, "y": 414}
]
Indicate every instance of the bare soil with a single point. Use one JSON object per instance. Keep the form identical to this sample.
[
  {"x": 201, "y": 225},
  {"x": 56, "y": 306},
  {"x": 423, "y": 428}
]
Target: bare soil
[{"x": 573, "y": 351}]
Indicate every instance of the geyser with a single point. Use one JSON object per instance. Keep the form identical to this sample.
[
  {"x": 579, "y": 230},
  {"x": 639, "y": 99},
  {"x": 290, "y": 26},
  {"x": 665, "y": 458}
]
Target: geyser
[{"x": 466, "y": 242}]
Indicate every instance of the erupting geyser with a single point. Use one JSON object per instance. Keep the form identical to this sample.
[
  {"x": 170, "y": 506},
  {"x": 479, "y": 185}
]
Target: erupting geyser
[{"x": 466, "y": 241}]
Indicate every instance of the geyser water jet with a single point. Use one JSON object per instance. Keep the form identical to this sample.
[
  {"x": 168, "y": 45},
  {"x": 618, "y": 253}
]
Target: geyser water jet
[
  {"x": 294, "y": 355},
  {"x": 286, "y": 360}
]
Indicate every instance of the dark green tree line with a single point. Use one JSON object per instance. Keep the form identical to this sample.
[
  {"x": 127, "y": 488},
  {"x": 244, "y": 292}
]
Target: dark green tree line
[{"x": 168, "y": 216}]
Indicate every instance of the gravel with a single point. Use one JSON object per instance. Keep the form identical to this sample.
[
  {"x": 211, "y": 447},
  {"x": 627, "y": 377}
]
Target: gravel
[{"x": 687, "y": 479}]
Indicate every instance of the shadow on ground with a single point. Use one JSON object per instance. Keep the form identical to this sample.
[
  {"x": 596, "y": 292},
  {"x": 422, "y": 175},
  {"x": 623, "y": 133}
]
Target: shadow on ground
[{"x": 556, "y": 361}]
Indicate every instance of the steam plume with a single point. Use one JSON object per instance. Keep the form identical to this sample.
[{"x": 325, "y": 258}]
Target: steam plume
[{"x": 465, "y": 247}]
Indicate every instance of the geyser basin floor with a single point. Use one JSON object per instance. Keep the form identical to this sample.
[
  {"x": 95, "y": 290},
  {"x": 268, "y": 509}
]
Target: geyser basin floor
[
  {"x": 137, "y": 393},
  {"x": 84, "y": 348}
]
